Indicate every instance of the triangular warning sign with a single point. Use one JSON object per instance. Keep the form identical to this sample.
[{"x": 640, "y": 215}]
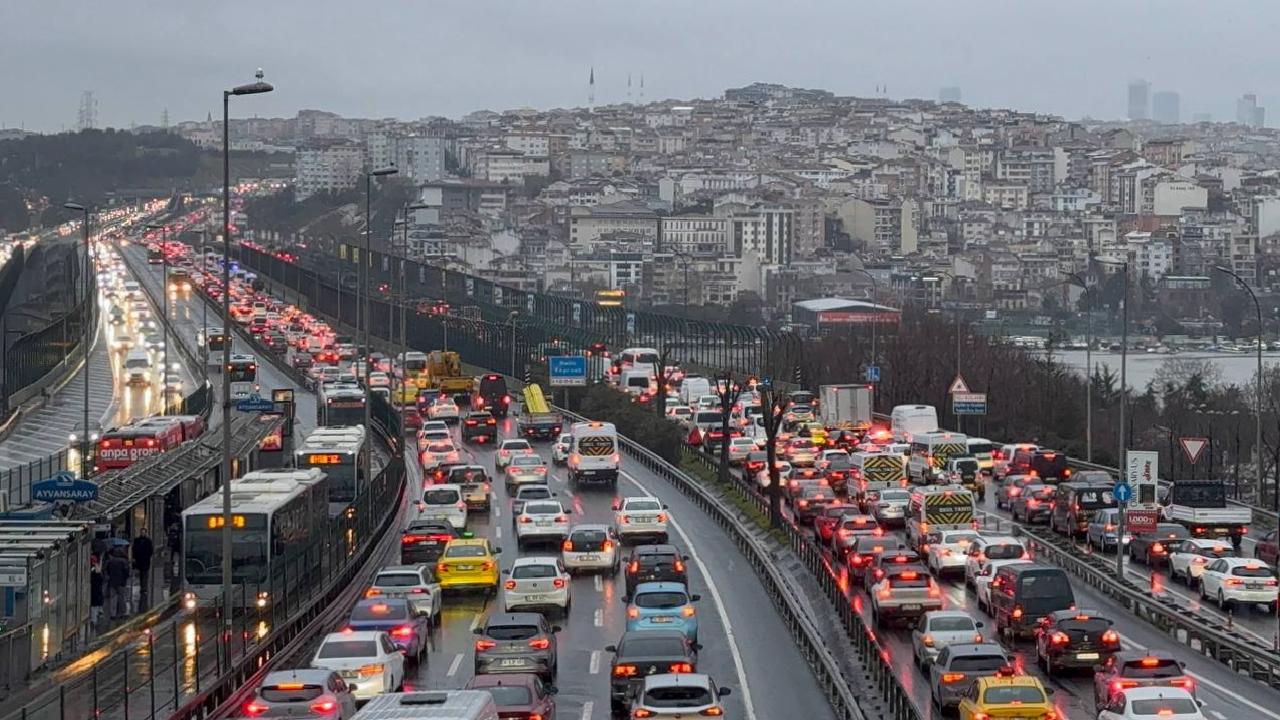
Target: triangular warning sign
[
  {"x": 958, "y": 386},
  {"x": 1193, "y": 447}
]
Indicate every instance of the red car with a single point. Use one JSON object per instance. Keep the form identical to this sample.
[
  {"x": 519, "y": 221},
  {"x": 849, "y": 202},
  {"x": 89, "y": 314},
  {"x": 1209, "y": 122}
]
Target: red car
[
  {"x": 1268, "y": 548},
  {"x": 518, "y": 695}
]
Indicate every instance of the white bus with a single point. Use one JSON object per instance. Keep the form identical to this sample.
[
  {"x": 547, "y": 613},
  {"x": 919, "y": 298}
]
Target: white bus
[
  {"x": 340, "y": 404},
  {"x": 213, "y": 341},
  {"x": 339, "y": 452},
  {"x": 242, "y": 373},
  {"x": 279, "y": 518}
]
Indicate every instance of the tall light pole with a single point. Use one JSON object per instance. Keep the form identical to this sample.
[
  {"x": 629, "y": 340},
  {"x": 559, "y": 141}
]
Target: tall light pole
[
  {"x": 931, "y": 279},
  {"x": 1088, "y": 364},
  {"x": 512, "y": 320},
  {"x": 1257, "y": 401},
  {"x": 402, "y": 294},
  {"x": 164, "y": 315},
  {"x": 1124, "y": 363},
  {"x": 253, "y": 88},
  {"x": 204, "y": 315},
  {"x": 90, "y": 300},
  {"x": 365, "y": 269},
  {"x": 874, "y": 290}
]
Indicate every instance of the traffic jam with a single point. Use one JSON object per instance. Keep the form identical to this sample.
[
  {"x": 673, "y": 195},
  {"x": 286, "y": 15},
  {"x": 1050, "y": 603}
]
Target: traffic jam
[
  {"x": 898, "y": 511},
  {"x": 512, "y": 514}
]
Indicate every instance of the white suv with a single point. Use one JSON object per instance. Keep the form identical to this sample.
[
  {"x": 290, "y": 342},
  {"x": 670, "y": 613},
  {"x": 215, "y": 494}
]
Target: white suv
[
  {"x": 537, "y": 582},
  {"x": 541, "y": 521},
  {"x": 637, "y": 517}
]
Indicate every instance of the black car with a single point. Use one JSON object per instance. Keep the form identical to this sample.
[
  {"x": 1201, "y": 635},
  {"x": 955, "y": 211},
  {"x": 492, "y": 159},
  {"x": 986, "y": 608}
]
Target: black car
[
  {"x": 520, "y": 642},
  {"x": 655, "y": 563},
  {"x": 492, "y": 395},
  {"x": 813, "y": 500},
  {"x": 1075, "y": 639},
  {"x": 837, "y": 470},
  {"x": 423, "y": 541},
  {"x": 1034, "y": 504},
  {"x": 1152, "y": 549},
  {"x": 480, "y": 426},
  {"x": 641, "y": 653},
  {"x": 864, "y": 552}
]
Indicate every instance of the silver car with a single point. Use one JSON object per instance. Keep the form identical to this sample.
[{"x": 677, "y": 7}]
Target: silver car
[
  {"x": 938, "y": 629},
  {"x": 302, "y": 692},
  {"x": 891, "y": 507}
]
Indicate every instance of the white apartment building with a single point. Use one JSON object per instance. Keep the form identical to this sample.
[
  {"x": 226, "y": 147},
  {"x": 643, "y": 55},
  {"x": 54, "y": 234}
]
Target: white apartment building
[
  {"x": 420, "y": 157},
  {"x": 1006, "y": 197},
  {"x": 1152, "y": 256},
  {"x": 530, "y": 143},
  {"x": 510, "y": 166},
  {"x": 767, "y": 233},
  {"x": 695, "y": 234},
  {"x": 327, "y": 168}
]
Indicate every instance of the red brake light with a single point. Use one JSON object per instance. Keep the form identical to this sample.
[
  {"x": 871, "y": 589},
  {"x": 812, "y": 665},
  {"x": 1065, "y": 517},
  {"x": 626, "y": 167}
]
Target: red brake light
[
  {"x": 255, "y": 708},
  {"x": 681, "y": 668},
  {"x": 540, "y": 643},
  {"x": 482, "y": 645},
  {"x": 324, "y": 707}
]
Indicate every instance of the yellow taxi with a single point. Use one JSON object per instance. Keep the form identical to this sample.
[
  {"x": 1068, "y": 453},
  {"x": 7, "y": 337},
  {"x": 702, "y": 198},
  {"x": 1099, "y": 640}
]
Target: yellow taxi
[
  {"x": 817, "y": 433},
  {"x": 468, "y": 564},
  {"x": 1008, "y": 696}
]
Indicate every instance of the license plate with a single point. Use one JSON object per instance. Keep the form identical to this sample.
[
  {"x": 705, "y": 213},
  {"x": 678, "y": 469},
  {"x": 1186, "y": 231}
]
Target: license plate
[
  {"x": 661, "y": 619},
  {"x": 644, "y": 518},
  {"x": 542, "y": 523},
  {"x": 588, "y": 557},
  {"x": 512, "y": 662},
  {"x": 911, "y": 608},
  {"x": 464, "y": 568},
  {"x": 1255, "y": 586},
  {"x": 349, "y": 673},
  {"x": 535, "y": 598},
  {"x": 1087, "y": 656}
]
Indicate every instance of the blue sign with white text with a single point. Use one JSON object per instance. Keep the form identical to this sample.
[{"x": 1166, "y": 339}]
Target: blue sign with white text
[
  {"x": 567, "y": 370},
  {"x": 255, "y": 403},
  {"x": 64, "y": 486}
]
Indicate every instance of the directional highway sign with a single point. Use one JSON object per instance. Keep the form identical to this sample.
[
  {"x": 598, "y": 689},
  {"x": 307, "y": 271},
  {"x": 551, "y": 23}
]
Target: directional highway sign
[
  {"x": 969, "y": 403},
  {"x": 567, "y": 370},
  {"x": 255, "y": 403}
]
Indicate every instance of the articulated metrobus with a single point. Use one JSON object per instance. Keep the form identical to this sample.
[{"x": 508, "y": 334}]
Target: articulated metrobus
[
  {"x": 340, "y": 404},
  {"x": 339, "y": 452},
  {"x": 279, "y": 519},
  {"x": 242, "y": 373}
]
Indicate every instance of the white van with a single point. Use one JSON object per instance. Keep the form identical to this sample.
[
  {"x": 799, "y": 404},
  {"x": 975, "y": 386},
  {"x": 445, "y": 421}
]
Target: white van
[
  {"x": 640, "y": 359},
  {"x": 908, "y": 420},
  {"x": 594, "y": 455},
  {"x": 137, "y": 367},
  {"x": 636, "y": 382},
  {"x": 444, "y": 501},
  {"x": 693, "y": 387},
  {"x": 430, "y": 705}
]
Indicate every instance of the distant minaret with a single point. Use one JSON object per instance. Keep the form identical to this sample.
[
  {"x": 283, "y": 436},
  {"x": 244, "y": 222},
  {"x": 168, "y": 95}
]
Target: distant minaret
[
  {"x": 591, "y": 89},
  {"x": 628, "y": 87},
  {"x": 164, "y": 119},
  {"x": 87, "y": 117},
  {"x": 642, "y": 88}
]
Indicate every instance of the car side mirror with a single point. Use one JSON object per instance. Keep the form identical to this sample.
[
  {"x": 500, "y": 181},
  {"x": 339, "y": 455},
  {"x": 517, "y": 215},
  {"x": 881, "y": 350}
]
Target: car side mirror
[
  {"x": 506, "y": 571},
  {"x": 477, "y": 631},
  {"x": 695, "y": 597},
  {"x": 555, "y": 628},
  {"x": 497, "y": 551},
  {"x": 625, "y": 598},
  {"x": 978, "y": 624},
  {"x": 611, "y": 648},
  {"x": 724, "y": 691},
  {"x": 664, "y": 507},
  {"x": 553, "y": 690},
  {"x": 685, "y": 558},
  {"x": 697, "y": 646},
  {"x": 1048, "y": 691}
]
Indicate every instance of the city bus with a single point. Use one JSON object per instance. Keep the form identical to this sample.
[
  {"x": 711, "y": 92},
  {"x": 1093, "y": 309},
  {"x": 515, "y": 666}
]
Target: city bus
[
  {"x": 339, "y": 452},
  {"x": 213, "y": 341},
  {"x": 279, "y": 520},
  {"x": 242, "y": 373},
  {"x": 340, "y": 404}
]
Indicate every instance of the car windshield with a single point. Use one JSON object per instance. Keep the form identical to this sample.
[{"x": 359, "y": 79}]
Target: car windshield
[
  {"x": 661, "y": 599},
  {"x": 526, "y": 461},
  {"x": 589, "y": 536},
  {"x": 533, "y": 571},
  {"x": 895, "y": 496},
  {"x": 509, "y": 695},
  {"x": 441, "y": 497},
  {"x": 1004, "y": 551},
  {"x": 397, "y": 580},
  {"x": 511, "y": 632},
  {"x": 440, "y": 448},
  {"x": 977, "y": 663},
  {"x": 380, "y": 611},
  {"x": 643, "y": 505},
  {"x": 1164, "y": 707},
  {"x": 1256, "y": 571},
  {"x": 677, "y": 697},
  {"x": 1009, "y": 694},
  {"x": 349, "y": 649},
  {"x": 640, "y": 646},
  {"x": 534, "y": 492},
  {"x": 1152, "y": 668},
  {"x": 465, "y": 551},
  {"x": 951, "y": 624}
]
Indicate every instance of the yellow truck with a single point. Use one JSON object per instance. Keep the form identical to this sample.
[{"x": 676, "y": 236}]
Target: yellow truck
[{"x": 444, "y": 373}]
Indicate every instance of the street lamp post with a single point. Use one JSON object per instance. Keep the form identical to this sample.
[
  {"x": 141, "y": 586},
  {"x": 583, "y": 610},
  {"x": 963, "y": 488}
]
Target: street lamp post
[
  {"x": 1257, "y": 401},
  {"x": 85, "y": 465},
  {"x": 1124, "y": 363},
  {"x": 874, "y": 322},
  {"x": 365, "y": 269},
  {"x": 164, "y": 315},
  {"x": 1088, "y": 364},
  {"x": 931, "y": 278},
  {"x": 253, "y": 88},
  {"x": 204, "y": 317},
  {"x": 512, "y": 320}
]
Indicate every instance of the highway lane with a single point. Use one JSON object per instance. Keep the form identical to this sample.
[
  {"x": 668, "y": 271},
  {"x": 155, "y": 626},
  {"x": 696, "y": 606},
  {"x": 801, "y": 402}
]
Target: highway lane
[{"x": 778, "y": 682}]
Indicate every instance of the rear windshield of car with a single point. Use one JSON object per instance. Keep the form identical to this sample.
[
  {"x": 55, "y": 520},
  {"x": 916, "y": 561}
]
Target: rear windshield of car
[
  {"x": 637, "y": 645},
  {"x": 909, "y": 579},
  {"x": 517, "y": 445},
  {"x": 967, "y": 465},
  {"x": 1217, "y": 551},
  {"x": 506, "y": 695},
  {"x": 429, "y": 529},
  {"x": 588, "y": 536},
  {"x": 1010, "y": 551},
  {"x": 464, "y": 551},
  {"x": 655, "y": 560},
  {"x": 951, "y": 624},
  {"x": 440, "y": 497},
  {"x": 1091, "y": 625},
  {"x": 542, "y": 508},
  {"x": 977, "y": 663},
  {"x": 660, "y": 599},
  {"x": 512, "y": 632},
  {"x": 290, "y": 692},
  {"x": 380, "y": 611},
  {"x": 839, "y": 462},
  {"x": 1258, "y": 571},
  {"x": 532, "y": 571},
  {"x": 1152, "y": 668},
  {"x": 1007, "y": 694},
  {"x": 467, "y": 475},
  {"x": 1164, "y": 706},
  {"x": 397, "y": 580},
  {"x": 644, "y": 505},
  {"x": 981, "y": 448},
  {"x": 534, "y": 492},
  {"x": 1045, "y": 586},
  {"x": 439, "y": 447},
  {"x": 707, "y": 417},
  {"x": 349, "y": 649},
  {"x": 959, "y": 537},
  {"x": 526, "y": 461},
  {"x": 895, "y": 495},
  {"x": 677, "y": 697}
]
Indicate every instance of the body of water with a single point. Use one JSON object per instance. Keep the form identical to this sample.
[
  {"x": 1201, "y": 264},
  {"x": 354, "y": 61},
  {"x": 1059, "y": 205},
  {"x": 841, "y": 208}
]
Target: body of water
[{"x": 1237, "y": 369}]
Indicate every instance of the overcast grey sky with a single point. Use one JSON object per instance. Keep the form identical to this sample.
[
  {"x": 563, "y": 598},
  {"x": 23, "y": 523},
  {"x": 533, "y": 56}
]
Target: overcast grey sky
[{"x": 373, "y": 58}]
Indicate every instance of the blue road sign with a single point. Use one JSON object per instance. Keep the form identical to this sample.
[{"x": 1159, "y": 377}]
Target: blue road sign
[
  {"x": 565, "y": 370},
  {"x": 969, "y": 403},
  {"x": 873, "y": 373},
  {"x": 64, "y": 486},
  {"x": 255, "y": 403},
  {"x": 1123, "y": 492}
]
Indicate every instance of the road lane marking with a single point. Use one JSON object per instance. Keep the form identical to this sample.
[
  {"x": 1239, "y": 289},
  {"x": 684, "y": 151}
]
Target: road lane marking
[
  {"x": 594, "y": 667},
  {"x": 599, "y": 617},
  {"x": 497, "y": 532},
  {"x": 497, "y": 512},
  {"x": 475, "y": 623},
  {"x": 599, "y": 583},
  {"x": 568, "y": 493},
  {"x": 587, "y": 708},
  {"x": 715, "y": 598},
  {"x": 453, "y": 666}
]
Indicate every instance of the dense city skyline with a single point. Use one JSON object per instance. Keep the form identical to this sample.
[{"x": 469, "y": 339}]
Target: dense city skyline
[{"x": 178, "y": 59}]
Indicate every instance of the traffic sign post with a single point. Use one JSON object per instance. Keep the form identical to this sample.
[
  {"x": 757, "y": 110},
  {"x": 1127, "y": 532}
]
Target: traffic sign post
[
  {"x": 567, "y": 370},
  {"x": 1193, "y": 447},
  {"x": 1123, "y": 492},
  {"x": 969, "y": 403},
  {"x": 1140, "y": 511},
  {"x": 958, "y": 386},
  {"x": 64, "y": 486}
]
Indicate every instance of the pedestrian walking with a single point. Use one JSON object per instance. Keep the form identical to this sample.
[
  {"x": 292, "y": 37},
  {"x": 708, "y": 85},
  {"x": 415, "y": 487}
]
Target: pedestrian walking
[
  {"x": 143, "y": 549},
  {"x": 96, "y": 592},
  {"x": 116, "y": 572}
]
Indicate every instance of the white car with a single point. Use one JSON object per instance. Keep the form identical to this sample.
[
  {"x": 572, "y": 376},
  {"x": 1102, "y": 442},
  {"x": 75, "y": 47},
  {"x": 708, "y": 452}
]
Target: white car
[
  {"x": 541, "y": 521},
  {"x": 591, "y": 547},
  {"x": 1188, "y": 559},
  {"x": 739, "y": 449},
  {"x": 443, "y": 501},
  {"x": 415, "y": 583},
  {"x": 431, "y": 435},
  {"x": 784, "y": 474},
  {"x": 986, "y": 548},
  {"x": 982, "y": 581},
  {"x": 367, "y": 660},
  {"x": 671, "y": 696},
  {"x": 642, "y": 516},
  {"x": 437, "y": 454},
  {"x": 383, "y": 380},
  {"x": 940, "y": 628},
  {"x": 949, "y": 552},
  {"x": 428, "y": 425},
  {"x": 508, "y": 449},
  {"x": 1239, "y": 581},
  {"x": 1152, "y": 703},
  {"x": 537, "y": 582},
  {"x": 560, "y": 449},
  {"x": 444, "y": 408},
  {"x": 679, "y": 413}
]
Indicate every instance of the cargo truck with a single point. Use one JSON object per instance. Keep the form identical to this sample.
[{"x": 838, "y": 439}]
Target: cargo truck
[
  {"x": 845, "y": 406},
  {"x": 1201, "y": 507},
  {"x": 536, "y": 420}
]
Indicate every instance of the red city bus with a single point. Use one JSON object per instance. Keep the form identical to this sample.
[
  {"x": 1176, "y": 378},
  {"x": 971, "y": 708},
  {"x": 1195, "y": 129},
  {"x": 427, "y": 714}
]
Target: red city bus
[{"x": 124, "y": 446}]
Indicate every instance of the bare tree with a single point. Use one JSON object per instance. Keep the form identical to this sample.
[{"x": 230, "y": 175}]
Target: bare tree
[
  {"x": 772, "y": 406},
  {"x": 727, "y": 390}
]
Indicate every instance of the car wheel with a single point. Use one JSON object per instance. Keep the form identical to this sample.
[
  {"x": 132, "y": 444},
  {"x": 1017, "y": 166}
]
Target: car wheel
[
  {"x": 1203, "y": 597},
  {"x": 1223, "y": 602}
]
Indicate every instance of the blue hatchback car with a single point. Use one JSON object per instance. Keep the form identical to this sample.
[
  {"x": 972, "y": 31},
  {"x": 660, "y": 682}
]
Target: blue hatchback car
[
  {"x": 408, "y": 629},
  {"x": 1102, "y": 530},
  {"x": 663, "y": 606}
]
